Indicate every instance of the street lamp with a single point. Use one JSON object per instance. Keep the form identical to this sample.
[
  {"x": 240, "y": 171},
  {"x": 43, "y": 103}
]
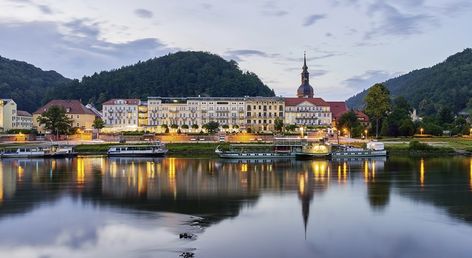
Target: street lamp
[
  {"x": 470, "y": 132},
  {"x": 365, "y": 133},
  {"x": 421, "y": 131}
]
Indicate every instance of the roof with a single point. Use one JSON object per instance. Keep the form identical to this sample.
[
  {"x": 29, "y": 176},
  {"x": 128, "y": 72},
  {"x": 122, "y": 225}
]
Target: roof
[
  {"x": 127, "y": 101},
  {"x": 71, "y": 106},
  {"x": 338, "y": 108},
  {"x": 361, "y": 116},
  {"x": 22, "y": 113},
  {"x": 297, "y": 101}
]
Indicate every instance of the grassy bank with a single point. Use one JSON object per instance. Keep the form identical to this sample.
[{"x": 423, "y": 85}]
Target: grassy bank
[
  {"x": 176, "y": 149},
  {"x": 418, "y": 148}
]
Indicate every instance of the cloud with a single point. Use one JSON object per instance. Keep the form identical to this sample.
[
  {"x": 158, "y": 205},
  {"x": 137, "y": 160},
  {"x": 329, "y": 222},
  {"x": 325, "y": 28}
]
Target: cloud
[
  {"x": 270, "y": 8},
  {"x": 240, "y": 54},
  {"x": 73, "y": 48},
  {"x": 312, "y": 19},
  {"x": 143, "y": 13},
  {"x": 395, "y": 22},
  {"x": 368, "y": 79},
  {"x": 44, "y": 9}
]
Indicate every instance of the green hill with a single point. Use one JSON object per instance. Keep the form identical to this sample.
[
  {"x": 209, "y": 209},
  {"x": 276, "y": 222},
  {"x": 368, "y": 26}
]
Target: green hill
[
  {"x": 175, "y": 75},
  {"x": 446, "y": 84},
  {"x": 28, "y": 85}
]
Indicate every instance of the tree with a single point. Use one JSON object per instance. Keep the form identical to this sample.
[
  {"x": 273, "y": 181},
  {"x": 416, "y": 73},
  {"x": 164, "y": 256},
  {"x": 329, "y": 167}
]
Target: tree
[
  {"x": 184, "y": 126},
  {"x": 225, "y": 126},
  {"x": 278, "y": 124},
  {"x": 399, "y": 121},
  {"x": 174, "y": 126},
  {"x": 211, "y": 127},
  {"x": 348, "y": 121},
  {"x": 98, "y": 124},
  {"x": 56, "y": 120},
  {"x": 291, "y": 128},
  {"x": 377, "y": 104},
  {"x": 195, "y": 126}
]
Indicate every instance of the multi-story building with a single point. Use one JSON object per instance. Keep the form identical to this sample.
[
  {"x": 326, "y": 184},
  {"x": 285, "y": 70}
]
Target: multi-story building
[
  {"x": 122, "y": 114},
  {"x": 305, "y": 109},
  {"x": 195, "y": 111},
  {"x": 81, "y": 116},
  {"x": 261, "y": 112},
  {"x": 254, "y": 113},
  {"x": 307, "y": 112},
  {"x": 12, "y": 118}
]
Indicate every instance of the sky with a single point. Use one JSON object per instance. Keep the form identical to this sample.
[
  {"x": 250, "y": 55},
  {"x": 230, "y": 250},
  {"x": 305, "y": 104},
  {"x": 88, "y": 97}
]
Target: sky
[{"x": 350, "y": 44}]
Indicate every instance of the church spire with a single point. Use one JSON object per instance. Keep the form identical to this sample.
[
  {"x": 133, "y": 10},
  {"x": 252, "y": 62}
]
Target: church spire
[{"x": 305, "y": 68}]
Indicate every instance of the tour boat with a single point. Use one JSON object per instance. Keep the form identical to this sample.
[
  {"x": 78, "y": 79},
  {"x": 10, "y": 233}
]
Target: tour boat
[
  {"x": 241, "y": 154},
  {"x": 155, "y": 150},
  {"x": 314, "y": 150},
  {"x": 280, "y": 149},
  {"x": 373, "y": 149},
  {"x": 25, "y": 152}
]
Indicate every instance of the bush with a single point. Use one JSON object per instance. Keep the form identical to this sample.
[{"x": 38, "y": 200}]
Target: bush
[{"x": 416, "y": 145}]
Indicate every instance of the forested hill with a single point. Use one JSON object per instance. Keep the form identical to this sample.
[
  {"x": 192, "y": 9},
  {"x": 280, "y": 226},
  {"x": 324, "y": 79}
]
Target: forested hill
[
  {"x": 446, "y": 84},
  {"x": 175, "y": 75},
  {"x": 26, "y": 84}
]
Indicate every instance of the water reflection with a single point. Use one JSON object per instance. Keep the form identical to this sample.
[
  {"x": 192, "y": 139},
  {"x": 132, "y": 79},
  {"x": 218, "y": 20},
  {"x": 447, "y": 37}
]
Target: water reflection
[{"x": 221, "y": 189}]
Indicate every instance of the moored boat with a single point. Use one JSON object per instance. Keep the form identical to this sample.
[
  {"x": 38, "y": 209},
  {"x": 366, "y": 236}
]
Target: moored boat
[
  {"x": 313, "y": 150},
  {"x": 26, "y": 152},
  {"x": 58, "y": 151},
  {"x": 155, "y": 150},
  {"x": 373, "y": 149}
]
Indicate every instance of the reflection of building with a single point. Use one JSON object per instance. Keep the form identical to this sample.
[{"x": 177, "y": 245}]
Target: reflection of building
[
  {"x": 12, "y": 118},
  {"x": 305, "y": 194},
  {"x": 81, "y": 116}
]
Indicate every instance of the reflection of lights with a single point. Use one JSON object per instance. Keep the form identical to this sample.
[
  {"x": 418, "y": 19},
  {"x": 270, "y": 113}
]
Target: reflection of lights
[
  {"x": 373, "y": 169},
  {"x": 244, "y": 167},
  {"x": 366, "y": 171},
  {"x": 470, "y": 178},
  {"x": 302, "y": 182},
  {"x": 172, "y": 176},
  {"x": 422, "y": 172},
  {"x": 20, "y": 172},
  {"x": 1, "y": 182},
  {"x": 339, "y": 173},
  {"x": 80, "y": 171},
  {"x": 345, "y": 171}
]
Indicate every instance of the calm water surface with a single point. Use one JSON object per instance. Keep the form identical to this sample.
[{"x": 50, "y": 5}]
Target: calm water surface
[{"x": 105, "y": 207}]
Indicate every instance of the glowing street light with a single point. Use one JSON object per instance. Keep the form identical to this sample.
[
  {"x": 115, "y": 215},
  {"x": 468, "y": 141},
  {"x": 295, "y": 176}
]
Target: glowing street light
[
  {"x": 421, "y": 131},
  {"x": 365, "y": 133}
]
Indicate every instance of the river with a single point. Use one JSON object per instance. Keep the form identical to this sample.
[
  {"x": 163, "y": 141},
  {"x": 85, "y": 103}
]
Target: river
[{"x": 120, "y": 207}]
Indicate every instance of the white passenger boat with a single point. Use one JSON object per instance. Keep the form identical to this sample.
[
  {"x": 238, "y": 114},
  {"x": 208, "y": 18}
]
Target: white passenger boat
[
  {"x": 155, "y": 150},
  {"x": 373, "y": 149},
  {"x": 26, "y": 152}
]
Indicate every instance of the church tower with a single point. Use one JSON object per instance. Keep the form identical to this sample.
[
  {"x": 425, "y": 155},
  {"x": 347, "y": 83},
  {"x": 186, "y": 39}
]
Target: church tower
[{"x": 305, "y": 90}]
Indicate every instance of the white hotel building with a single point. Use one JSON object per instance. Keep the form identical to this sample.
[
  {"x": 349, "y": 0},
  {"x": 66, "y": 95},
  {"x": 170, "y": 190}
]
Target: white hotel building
[{"x": 255, "y": 113}]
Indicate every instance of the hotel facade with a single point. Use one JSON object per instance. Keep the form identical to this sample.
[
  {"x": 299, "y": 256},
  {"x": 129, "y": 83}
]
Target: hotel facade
[
  {"x": 256, "y": 114},
  {"x": 13, "y": 119}
]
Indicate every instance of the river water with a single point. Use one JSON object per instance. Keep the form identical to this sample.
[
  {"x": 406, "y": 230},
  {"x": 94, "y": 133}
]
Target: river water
[{"x": 119, "y": 207}]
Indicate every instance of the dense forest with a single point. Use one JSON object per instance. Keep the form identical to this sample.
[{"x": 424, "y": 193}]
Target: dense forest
[
  {"x": 448, "y": 84},
  {"x": 28, "y": 85},
  {"x": 174, "y": 75}
]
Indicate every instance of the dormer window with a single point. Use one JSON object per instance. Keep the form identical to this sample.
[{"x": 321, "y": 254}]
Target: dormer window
[{"x": 68, "y": 110}]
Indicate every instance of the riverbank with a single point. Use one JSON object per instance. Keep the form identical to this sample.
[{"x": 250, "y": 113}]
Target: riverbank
[{"x": 175, "y": 149}]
